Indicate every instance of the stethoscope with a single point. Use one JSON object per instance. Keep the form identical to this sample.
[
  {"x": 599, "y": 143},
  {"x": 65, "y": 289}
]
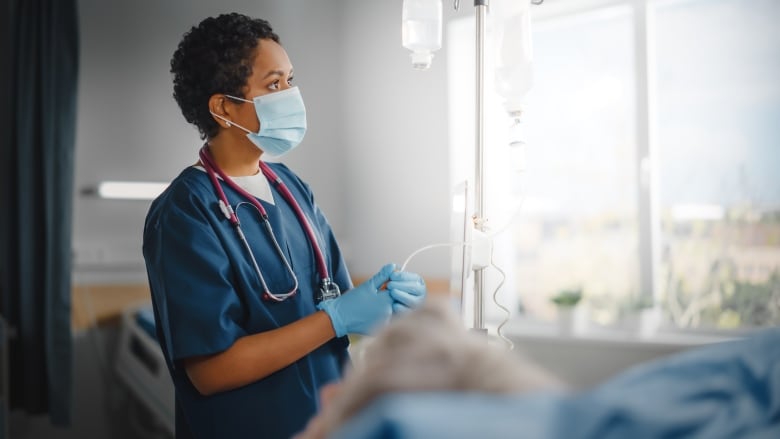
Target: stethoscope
[{"x": 328, "y": 289}]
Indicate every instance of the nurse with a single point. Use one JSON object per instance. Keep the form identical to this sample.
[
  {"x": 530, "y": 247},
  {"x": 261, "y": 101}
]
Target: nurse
[{"x": 252, "y": 298}]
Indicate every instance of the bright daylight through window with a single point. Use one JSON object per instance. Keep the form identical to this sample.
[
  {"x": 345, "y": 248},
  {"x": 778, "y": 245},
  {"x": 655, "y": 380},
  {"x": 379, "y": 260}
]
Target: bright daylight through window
[{"x": 650, "y": 175}]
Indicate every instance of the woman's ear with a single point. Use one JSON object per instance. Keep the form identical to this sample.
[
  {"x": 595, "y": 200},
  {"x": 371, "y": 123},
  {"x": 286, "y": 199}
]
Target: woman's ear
[{"x": 218, "y": 109}]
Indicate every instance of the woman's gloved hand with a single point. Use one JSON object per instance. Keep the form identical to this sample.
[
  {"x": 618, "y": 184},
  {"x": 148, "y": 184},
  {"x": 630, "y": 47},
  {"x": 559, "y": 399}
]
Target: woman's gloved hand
[
  {"x": 362, "y": 308},
  {"x": 407, "y": 290}
]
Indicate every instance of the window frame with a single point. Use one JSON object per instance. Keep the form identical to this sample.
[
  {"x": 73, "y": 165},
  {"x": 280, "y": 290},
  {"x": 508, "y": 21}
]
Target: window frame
[{"x": 646, "y": 169}]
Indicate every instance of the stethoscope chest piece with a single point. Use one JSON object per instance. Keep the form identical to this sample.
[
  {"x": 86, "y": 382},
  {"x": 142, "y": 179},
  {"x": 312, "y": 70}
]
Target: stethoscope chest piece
[{"x": 328, "y": 290}]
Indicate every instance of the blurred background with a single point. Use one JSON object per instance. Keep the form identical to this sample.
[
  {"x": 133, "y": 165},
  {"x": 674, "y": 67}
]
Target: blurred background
[{"x": 648, "y": 180}]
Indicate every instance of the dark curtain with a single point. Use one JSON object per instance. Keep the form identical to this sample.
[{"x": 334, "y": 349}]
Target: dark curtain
[{"x": 37, "y": 126}]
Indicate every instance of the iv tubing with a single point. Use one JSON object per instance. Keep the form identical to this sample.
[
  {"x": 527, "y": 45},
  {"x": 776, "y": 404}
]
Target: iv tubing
[
  {"x": 428, "y": 247},
  {"x": 500, "y": 327}
]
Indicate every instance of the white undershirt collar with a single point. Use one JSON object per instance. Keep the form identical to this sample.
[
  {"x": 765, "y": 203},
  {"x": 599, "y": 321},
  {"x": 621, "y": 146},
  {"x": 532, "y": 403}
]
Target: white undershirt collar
[{"x": 256, "y": 185}]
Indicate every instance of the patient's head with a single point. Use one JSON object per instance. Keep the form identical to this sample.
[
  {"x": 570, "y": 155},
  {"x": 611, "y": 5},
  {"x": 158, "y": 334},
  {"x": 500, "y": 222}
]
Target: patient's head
[{"x": 426, "y": 350}]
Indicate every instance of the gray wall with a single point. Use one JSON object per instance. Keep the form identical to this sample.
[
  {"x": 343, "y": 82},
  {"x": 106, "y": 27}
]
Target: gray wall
[
  {"x": 397, "y": 161},
  {"x": 375, "y": 153}
]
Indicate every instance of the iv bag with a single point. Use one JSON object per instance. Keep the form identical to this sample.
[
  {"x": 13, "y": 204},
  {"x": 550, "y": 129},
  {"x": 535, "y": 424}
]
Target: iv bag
[
  {"x": 421, "y": 24},
  {"x": 514, "y": 71}
]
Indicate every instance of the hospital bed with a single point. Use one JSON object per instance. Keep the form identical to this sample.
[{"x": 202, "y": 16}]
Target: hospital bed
[
  {"x": 727, "y": 390},
  {"x": 140, "y": 366}
]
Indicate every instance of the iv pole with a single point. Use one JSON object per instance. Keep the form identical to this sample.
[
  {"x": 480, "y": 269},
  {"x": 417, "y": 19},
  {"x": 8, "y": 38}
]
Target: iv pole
[
  {"x": 479, "y": 188},
  {"x": 479, "y": 166}
]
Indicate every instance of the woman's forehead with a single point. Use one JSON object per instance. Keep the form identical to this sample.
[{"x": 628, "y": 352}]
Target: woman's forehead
[{"x": 271, "y": 57}]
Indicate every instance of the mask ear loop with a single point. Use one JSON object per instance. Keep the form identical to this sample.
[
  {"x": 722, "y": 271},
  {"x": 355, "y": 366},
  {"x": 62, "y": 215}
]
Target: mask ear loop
[
  {"x": 229, "y": 123},
  {"x": 221, "y": 106}
]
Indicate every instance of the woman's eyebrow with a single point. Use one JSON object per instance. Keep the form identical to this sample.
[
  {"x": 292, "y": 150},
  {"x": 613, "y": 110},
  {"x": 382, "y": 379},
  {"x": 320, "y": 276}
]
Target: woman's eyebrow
[{"x": 277, "y": 73}]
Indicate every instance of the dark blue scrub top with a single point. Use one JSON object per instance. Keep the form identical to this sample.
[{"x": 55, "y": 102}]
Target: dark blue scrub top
[{"x": 206, "y": 294}]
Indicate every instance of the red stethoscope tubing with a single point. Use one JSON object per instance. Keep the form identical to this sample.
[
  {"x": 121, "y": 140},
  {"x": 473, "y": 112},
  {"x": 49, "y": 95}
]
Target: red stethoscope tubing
[{"x": 212, "y": 168}]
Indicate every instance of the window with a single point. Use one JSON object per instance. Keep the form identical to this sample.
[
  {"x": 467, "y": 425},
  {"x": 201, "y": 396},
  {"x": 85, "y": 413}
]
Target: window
[
  {"x": 717, "y": 64},
  {"x": 653, "y": 136}
]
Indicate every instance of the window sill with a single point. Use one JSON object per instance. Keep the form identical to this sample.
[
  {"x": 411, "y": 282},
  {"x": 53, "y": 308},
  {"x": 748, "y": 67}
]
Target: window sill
[
  {"x": 585, "y": 358},
  {"x": 527, "y": 330}
]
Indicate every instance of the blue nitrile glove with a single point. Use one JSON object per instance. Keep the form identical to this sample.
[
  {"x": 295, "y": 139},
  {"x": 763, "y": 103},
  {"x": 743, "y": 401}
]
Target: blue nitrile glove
[
  {"x": 362, "y": 308},
  {"x": 407, "y": 290}
]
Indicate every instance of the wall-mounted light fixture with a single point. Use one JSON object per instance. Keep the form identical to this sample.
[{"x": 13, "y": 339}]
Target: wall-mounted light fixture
[{"x": 126, "y": 190}]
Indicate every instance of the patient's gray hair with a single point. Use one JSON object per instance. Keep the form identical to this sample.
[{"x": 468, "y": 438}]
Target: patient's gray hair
[{"x": 428, "y": 349}]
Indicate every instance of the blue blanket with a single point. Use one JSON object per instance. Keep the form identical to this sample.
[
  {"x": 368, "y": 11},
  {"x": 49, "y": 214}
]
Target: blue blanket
[
  {"x": 145, "y": 319},
  {"x": 727, "y": 390}
]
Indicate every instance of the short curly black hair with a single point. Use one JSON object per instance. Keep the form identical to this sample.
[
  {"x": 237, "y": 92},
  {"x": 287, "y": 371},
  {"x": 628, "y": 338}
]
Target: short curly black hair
[{"x": 216, "y": 56}]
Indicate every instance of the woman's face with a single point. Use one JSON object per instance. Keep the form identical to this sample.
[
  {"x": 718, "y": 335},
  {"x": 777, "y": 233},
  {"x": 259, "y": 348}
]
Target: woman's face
[{"x": 271, "y": 72}]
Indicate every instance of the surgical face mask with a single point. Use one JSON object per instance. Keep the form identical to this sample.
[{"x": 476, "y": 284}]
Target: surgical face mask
[{"x": 282, "y": 117}]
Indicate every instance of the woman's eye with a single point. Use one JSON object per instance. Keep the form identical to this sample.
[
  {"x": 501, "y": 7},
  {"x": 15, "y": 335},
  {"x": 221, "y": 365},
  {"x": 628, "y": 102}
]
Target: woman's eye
[
  {"x": 274, "y": 85},
  {"x": 290, "y": 81}
]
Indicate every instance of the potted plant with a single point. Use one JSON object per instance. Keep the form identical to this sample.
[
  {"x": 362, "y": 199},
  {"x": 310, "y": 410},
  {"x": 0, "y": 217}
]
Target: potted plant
[
  {"x": 640, "y": 315},
  {"x": 569, "y": 318}
]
